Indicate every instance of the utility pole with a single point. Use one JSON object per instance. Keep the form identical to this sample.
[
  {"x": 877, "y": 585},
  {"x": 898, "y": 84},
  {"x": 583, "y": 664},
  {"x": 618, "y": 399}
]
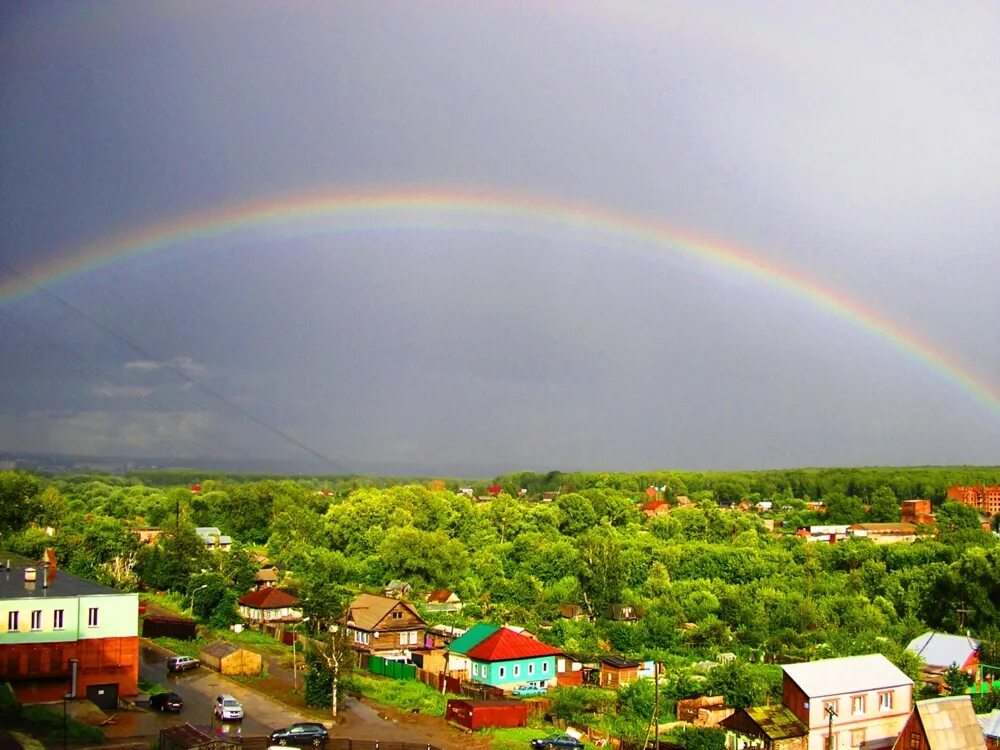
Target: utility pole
[
  {"x": 830, "y": 713},
  {"x": 656, "y": 704}
]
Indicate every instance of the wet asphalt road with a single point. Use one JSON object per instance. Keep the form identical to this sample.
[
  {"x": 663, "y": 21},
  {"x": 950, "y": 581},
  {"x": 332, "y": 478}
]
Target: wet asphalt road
[{"x": 199, "y": 687}]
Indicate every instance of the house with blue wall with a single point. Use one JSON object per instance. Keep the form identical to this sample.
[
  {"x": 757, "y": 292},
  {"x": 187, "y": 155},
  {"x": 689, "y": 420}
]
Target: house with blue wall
[{"x": 506, "y": 659}]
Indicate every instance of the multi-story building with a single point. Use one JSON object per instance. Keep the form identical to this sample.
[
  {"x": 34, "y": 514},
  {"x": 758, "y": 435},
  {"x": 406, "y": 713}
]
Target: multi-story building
[
  {"x": 917, "y": 511},
  {"x": 984, "y": 499},
  {"x": 852, "y": 702},
  {"x": 52, "y": 622}
]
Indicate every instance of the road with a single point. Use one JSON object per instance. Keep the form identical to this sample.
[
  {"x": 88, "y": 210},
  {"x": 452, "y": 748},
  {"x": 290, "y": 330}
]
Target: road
[{"x": 199, "y": 687}]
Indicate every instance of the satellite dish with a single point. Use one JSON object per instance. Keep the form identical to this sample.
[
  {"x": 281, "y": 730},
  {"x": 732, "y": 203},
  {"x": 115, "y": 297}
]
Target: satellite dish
[{"x": 375, "y": 634}]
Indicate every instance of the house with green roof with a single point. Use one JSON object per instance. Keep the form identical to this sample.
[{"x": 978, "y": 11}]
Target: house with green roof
[
  {"x": 457, "y": 656},
  {"x": 768, "y": 727},
  {"x": 507, "y": 659}
]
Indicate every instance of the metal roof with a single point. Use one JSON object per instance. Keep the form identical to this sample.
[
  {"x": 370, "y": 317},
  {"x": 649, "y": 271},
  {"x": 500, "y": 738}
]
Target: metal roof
[
  {"x": 13, "y": 585},
  {"x": 990, "y": 724},
  {"x": 942, "y": 649},
  {"x": 849, "y": 674}
]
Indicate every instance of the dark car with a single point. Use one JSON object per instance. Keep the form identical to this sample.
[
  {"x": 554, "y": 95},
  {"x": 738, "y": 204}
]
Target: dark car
[
  {"x": 303, "y": 733},
  {"x": 181, "y": 663},
  {"x": 166, "y": 702},
  {"x": 557, "y": 742}
]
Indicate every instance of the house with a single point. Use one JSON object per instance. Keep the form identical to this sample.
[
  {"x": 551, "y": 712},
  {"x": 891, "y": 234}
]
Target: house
[
  {"x": 54, "y": 624},
  {"x": 229, "y": 659},
  {"x": 868, "y": 696},
  {"x": 398, "y": 589},
  {"x": 443, "y": 600},
  {"x": 572, "y": 612},
  {"x": 942, "y": 724},
  {"x": 885, "y": 533},
  {"x": 990, "y": 726},
  {"x": 458, "y": 663},
  {"x": 984, "y": 499},
  {"x": 507, "y": 659},
  {"x": 569, "y": 671},
  {"x": 442, "y": 636},
  {"x": 941, "y": 650},
  {"x": 827, "y": 533},
  {"x": 917, "y": 512},
  {"x": 765, "y": 728},
  {"x": 616, "y": 671},
  {"x": 656, "y": 508},
  {"x": 147, "y": 534},
  {"x": 266, "y": 577},
  {"x": 704, "y": 711},
  {"x": 383, "y": 626},
  {"x": 621, "y": 613},
  {"x": 269, "y": 604},
  {"x": 214, "y": 539}
]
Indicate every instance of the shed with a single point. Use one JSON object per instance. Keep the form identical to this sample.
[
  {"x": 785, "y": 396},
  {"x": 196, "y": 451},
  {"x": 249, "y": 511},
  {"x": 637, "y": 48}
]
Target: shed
[
  {"x": 227, "y": 658},
  {"x": 473, "y": 715},
  {"x": 181, "y": 628},
  {"x": 616, "y": 671}
]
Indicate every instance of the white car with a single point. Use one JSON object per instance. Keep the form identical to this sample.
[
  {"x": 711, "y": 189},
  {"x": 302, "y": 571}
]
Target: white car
[{"x": 227, "y": 708}]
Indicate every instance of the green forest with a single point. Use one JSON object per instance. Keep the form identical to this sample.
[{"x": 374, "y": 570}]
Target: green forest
[{"x": 707, "y": 578}]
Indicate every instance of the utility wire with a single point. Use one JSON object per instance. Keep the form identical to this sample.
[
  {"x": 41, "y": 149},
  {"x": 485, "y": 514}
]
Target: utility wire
[
  {"x": 146, "y": 354},
  {"x": 36, "y": 336}
]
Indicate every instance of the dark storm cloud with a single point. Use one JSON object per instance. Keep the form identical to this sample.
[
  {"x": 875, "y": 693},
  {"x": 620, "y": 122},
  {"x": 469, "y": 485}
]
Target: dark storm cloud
[{"x": 856, "y": 145}]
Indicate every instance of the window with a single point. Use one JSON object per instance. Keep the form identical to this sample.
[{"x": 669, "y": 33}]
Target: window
[
  {"x": 12, "y": 621},
  {"x": 475, "y": 669},
  {"x": 829, "y": 706},
  {"x": 397, "y": 615},
  {"x": 362, "y": 637},
  {"x": 857, "y": 737},
  {"x": 92, "y": 617},
  {"x": 885, "y": 701},
  {"x": 517, "y": 670},
  {"x": 36, "y": 619},
  {"x": 408, "y": 638},
  {"x": 501, "y": 672},
  {"x": 828, "y": 745},
  {"x": 57, "y": 619},
  {"x": 857, "y": 705},
  {"x": 915, "y": 739},
  {"x": 545, "y": 667},
  {"x": 531, "y": 667}
]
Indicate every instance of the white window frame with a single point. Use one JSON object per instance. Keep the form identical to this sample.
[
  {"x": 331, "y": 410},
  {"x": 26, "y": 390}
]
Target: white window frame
[
  {"x": 501, "y": 672},
  {"x": 58, "y": 619},
  {"x": 531, "y": 667},
  {"x": 517, "y": 670},
  {"x": 475, "y": 669},
  {"x": 12, "y": 621},
  {"x": 36, "y": 619},
  {"x": 885, "y": 701},
  {"x": 858, "y": 705},
  {"x": 93, "y": 617},
  {"x": 545, "y": 667}
]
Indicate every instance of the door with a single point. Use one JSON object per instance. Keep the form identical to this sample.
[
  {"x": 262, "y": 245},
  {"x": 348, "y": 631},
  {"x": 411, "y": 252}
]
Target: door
[{"x": 104, "y": 696}]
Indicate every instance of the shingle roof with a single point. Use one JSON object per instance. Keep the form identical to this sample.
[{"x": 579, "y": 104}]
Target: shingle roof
[
  {"x": 368, "y": 610},
  {"x": 505, "y": 645},
  {"x": 268, "y": 598},
  {"x": 950, "y": 724},
  {"x": 850, "y": 674},
  {"x": 619, "y": 663},
  {"x": 942, "y": 649},
  {"x": 990, "y": 724},
  {"x": 472, "y": 638}
]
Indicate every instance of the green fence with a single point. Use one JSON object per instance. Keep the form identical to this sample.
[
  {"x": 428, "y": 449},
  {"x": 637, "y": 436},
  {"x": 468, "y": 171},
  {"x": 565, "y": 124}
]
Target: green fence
[{"x": 394, "y": 669}]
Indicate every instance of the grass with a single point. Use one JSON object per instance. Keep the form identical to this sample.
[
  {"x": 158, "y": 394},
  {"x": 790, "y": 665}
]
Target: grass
[
  {"x": 405, "y": 695},
  {"x": 169, "y": 600},
  {"x": 45, "y": 723},
  {"x": 185, "y": 648},
  {"x": 516, "y": 738},
  {"x": 145, "y": 686}
]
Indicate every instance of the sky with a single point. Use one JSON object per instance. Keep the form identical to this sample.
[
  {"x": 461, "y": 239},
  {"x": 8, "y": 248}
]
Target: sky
[{"x": 581, "y": 235}]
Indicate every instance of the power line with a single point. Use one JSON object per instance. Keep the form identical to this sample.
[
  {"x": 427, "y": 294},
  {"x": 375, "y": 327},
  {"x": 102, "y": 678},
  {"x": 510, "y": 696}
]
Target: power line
[{"x": 146, "y": 354}]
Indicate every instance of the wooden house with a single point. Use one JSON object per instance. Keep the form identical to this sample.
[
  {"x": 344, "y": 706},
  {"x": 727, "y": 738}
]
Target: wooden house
[
  {"x": 269, "y": 605},
  {"x": 383, "y": 626},
  {"x": 766, "y": 728},
  {"x": 443, "y": 600},
  {"x": 397, "y": 589},
  {"x": 942, "y": 724},
  {"x": 616, "y": 671}
]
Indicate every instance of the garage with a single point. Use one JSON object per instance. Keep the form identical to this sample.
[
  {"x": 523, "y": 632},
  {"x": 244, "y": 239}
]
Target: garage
[{"x": 104, "y": 696}]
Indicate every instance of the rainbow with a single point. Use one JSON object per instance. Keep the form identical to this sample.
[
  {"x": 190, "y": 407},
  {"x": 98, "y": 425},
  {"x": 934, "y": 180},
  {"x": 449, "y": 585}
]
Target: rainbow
[{"x": 444, "y": 209}]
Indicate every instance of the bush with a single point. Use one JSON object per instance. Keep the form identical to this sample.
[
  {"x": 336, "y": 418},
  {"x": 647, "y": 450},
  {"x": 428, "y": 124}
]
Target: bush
[{"x": 44, "y": 723}]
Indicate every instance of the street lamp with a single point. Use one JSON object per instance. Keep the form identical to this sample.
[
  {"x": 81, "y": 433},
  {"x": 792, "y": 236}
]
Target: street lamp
[{"x": 203, "y": 586}]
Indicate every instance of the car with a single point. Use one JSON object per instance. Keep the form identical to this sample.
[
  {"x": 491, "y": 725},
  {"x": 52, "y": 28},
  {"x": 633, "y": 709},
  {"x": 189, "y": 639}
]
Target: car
[
  {"x": 534, "y": 687},
  {"x": 182, "y": 663},
  {"x": 303, "y": 733},
  {"x": 227, "y": 708},
  {"x": 557, "y": 742},
  {"x": 166, "y": 702}
]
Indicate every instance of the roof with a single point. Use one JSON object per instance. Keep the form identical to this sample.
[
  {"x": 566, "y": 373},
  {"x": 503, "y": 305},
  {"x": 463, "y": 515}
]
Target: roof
[
  {"x": 901, "y": 528},
  {"x": 505, "y": 645},
  {"x": 472, "y": 637},
  {"x": 775, "y": 722},
  {"x": 266, "y": 574},
  {"x": 220, "y": 649},
  {"x": 268, "y": 598},
  {"x": 990, "y": 724},
  {"x": 655, "y": 505},
  {"x": 619, "y": 663},
  {"x": 950, "y": 724},
  {"x": 187, "y": 736},
  {"x": 440, "y": 596},
  {"x": 396, "y": 584},
  {"x": 849, "y": 674},
  {"x": 942, "y": 649},
  {"x": 368, "y": 610},
  {"x": 13, "y": 585}
]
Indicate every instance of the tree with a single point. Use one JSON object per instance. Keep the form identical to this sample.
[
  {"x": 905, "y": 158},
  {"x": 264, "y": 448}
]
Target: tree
[
  {"x": 883, "y": 505},
  {"x": 737, "y": 683},
  {"x": 956, "y": 681},
  {"x": 19, "y": 504},
  {"x": 844, "y": 510},
  {"x": 603, "y": 570}
]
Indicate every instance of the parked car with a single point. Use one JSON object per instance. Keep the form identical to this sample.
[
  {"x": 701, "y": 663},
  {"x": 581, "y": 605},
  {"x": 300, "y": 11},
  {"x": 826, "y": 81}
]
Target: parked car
[
  {"x": 228, "y": 708},
  {"x": 303, "y": 733},
  {"x": 557, "y": 742},
  {"x": 534, "y": 687},
  {"x": 181, "y": 663},
  {"x": 166, "y": 702}
]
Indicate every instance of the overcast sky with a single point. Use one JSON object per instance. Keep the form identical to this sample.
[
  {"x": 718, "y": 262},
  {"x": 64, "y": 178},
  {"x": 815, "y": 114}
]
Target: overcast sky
[{"x": 854, "y": 143}]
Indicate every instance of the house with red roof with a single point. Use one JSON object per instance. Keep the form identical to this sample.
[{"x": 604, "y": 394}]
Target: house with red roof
[
  {"x": 656, "y": 508},
  {"x": 269, "y": 604},
  {"x": 507, "y": 659}
]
